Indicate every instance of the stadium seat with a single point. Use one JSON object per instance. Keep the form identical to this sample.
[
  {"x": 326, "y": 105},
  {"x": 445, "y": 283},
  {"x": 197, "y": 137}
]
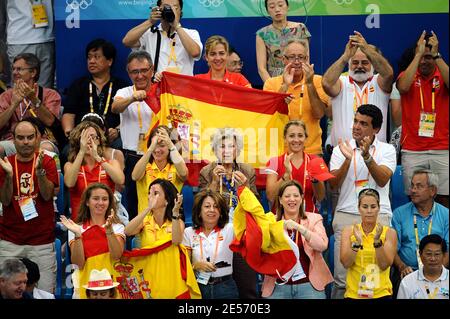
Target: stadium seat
[
  {"x": 188, "y": 202},
  {"x": 264, "y": 200},
  {"x": 398, "y": 197},
  {"x": 58, "y": 289},
  {"x": 331, "y": 253},
  {"x": 60, "y": 196},
  {"x": 68, "y": 291}
]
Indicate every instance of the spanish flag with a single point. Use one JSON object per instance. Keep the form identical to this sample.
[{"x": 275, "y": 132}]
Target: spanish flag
[
  {"x": 197, "y": 107},
  {"x": 159, "y": 271},
  {"x": 262, "y": 240}
]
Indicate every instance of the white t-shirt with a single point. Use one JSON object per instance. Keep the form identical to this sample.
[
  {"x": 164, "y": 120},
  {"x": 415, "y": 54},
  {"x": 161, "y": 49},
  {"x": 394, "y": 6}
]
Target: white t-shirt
[
  {"x": 42, "y": 294},
  {"x": 129, "y": 120},
  {"x": 414, "y": 286},
  {"x": 383, "y": 154},
  {"x": 193, "y": 238},
  {"x": 343, "y": 107},
  {"x": 19, "y": 28},
  {"x": 184, "y": 61}
]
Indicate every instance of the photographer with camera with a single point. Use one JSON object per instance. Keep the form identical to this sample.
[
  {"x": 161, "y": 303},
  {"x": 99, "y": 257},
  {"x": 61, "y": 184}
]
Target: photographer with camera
[{"x": 172, "y": 47}]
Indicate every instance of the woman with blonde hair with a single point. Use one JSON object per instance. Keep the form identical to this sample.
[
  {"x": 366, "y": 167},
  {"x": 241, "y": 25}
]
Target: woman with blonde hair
[
  {"x": 217, "y": 52},
  {"x": 87, "y": 164}
]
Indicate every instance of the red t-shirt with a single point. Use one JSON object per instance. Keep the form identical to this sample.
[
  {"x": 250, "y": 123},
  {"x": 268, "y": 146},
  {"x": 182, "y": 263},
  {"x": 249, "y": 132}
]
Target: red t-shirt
[
  {"x": 84, "y": 178},
  {"x": 229, "y": 77},
  {"x": 41, "y": 229},
  {"x": 276, "y": 164},
  {"x": 411, "y": 109}
]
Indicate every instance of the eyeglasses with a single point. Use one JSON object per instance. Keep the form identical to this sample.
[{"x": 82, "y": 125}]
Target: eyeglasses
[
  {"x": 95, "y": 57},
  {"x": 292, "y": 58},
  {"x": 139, "y": 71},
  {"x": 237, "y": 63},
  {"x": 19, "y": 69}
]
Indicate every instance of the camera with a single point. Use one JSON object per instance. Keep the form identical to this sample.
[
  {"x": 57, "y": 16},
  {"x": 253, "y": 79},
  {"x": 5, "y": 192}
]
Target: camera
[
  {"x": 167, "y": 13},
  {"x": 222, "y": 264}
]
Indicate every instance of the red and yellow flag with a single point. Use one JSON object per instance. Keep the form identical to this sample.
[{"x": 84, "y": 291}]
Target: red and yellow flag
[
  {"x": 261, "y": 239},
  {"x": 197, "y": 107}
]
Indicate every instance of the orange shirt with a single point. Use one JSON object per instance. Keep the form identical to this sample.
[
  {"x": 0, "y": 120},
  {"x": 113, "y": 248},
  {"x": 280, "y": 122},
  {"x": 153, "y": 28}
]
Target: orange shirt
[{"x": 229, "y": 77}]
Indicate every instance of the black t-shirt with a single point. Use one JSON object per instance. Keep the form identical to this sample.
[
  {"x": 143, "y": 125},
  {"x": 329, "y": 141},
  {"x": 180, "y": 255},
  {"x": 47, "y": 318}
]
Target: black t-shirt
[{"x": 77, "y": 101}]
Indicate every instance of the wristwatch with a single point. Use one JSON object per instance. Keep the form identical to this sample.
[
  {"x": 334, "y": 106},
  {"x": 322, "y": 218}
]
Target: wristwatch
[
  {"x": 377, "y": 244},
  {"x": 176, "y": 217},
  {"x": 37, "y": 104},
  {"x": 356, "y": 246},
  {"x": 41, "y": 172},
  {"x": 437, "y": 56}
]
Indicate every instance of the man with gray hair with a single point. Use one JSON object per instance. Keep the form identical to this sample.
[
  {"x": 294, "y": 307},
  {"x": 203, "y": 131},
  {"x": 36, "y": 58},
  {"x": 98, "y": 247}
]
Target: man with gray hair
[
  {"x": 13, "y": 280},
  {"x": 307, "y": 100},
  {"x": 359, "y": 87},
  {"x": 135, "y": 118},
  {"x": 413, "y": 221}
]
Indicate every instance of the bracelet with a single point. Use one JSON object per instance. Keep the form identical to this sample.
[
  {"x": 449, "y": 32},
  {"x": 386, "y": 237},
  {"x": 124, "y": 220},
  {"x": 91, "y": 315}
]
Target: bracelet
[
  {"x": 377, "y": 244},
  {"x": 176, "y": 217},
  {"x": 368, "y": 160}
]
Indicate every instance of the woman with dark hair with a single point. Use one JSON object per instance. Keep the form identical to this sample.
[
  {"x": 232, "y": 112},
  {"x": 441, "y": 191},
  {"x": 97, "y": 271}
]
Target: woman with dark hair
[
  {"x": 162, "y": 160},
  {"x": 272, "y": 39},
  {"x": 87, "y": 164},
  {"x": 208, "y": 241},
  {"x": 367, "y": 251},
  {"x": 308, "y": 233},
  {"x": 96, "y": 238}
]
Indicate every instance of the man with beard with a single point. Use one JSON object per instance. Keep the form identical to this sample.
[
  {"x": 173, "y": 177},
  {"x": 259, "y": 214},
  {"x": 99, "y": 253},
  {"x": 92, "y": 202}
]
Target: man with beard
[
  {"x": 135, "y": 118},
  {"x": 417, "y": 219},
  {"x": 361, "y": 163},
  {"x": 94, "y": 93},
  {"x": 424, "y": 95},
  {"x": 359, "y": 87},
  {"x": 27, "y": 183},
  {"x": 307, "y": 101}
]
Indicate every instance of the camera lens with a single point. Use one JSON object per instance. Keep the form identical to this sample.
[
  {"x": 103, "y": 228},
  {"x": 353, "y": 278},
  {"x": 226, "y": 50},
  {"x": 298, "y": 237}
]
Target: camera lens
[{"x": 168, "y": 14}]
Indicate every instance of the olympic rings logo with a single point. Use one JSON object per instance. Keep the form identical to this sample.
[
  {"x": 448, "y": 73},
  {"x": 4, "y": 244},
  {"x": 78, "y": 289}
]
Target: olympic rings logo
[
  {"x": 75, "y": 4},
  {"x": 211, "y": 3},
  {"x": 341, "y": 2}
]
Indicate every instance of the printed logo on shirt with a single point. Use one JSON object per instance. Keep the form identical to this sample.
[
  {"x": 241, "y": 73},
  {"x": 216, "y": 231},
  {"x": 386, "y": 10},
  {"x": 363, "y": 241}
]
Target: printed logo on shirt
[{"x": 25, "y": 184}]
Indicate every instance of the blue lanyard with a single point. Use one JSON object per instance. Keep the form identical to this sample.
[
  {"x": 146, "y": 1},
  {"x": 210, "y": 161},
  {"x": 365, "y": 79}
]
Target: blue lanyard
[{"x": 232, "y": 192}]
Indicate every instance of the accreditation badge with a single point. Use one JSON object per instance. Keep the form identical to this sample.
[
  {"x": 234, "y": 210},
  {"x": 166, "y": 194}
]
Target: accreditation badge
[
  {"x": 27, "y": 208},
  {"x": 39, "y": 16},
  {"x": 360, "y": 185},
  {"x": 427, "y": 124},
  {"x": 203, "y": 277},
  {"x": 141, "y": 145}
]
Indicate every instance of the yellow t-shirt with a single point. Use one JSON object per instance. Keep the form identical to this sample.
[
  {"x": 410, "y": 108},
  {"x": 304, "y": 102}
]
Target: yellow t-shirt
[
  {"x": 300, "y": 109},
  {"x": 366, "y": 271},
  {"x": 153, "y": 233},
  {"x": 152, "y": 172}
]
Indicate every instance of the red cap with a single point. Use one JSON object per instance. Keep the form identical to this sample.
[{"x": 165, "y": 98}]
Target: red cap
[{"x": 317, "y": 169}]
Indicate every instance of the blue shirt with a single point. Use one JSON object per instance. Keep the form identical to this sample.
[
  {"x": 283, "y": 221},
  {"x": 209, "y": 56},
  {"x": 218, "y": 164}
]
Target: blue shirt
[{"x": 403, "y": 223}]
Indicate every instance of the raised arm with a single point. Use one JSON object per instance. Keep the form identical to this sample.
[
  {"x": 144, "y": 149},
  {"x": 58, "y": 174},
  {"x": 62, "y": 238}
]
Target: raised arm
[
  {"x": 261, "y": 59},
  {"x": 131, "y": 39},
  {"x": 407, "y": 78},
  {"x": 440, "y": 63}
]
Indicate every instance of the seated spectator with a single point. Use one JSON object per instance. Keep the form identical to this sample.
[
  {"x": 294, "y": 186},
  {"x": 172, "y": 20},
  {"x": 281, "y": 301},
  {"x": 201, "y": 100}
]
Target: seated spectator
[
  {"x": 13, "y": 280},
  {"x": 87, "y": 164},
  {"x": 309, "y": 170},
  {"x": 208, "y": 241},
  {"x": 101, "y": 285},
  {"x": 161, "y": 160},
  {"x": 431, "y": 280},
  {"x": 367, "y": 251},
  {"x": 216, "y": 56},
  {"x": 425, "y": 114},
  {"x": 27, "y": 99},
  {"x": 415, "y": 220},
  {"x": 95, "y": 93},
  {"x": 33, "y": 276},
  {"x": 308, "y": 233},
  {"x": 234, "y": 62},
  {"x": 96, "y": 238},
  {"x": 226, "y": 175}
]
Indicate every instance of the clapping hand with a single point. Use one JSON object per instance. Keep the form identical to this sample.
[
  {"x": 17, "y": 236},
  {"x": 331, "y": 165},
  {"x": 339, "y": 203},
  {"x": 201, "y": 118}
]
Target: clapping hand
[
  {"x": 357, "y": 233},
  {"x": 346, "y": 149},
  {"x": 109, "y": 220},
  {"x": 71, "y": 225},
  {"x": 6, "y": 165}
]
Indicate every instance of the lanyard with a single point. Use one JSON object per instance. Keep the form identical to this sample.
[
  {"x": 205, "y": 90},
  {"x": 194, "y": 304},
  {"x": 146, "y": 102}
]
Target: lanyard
[
  {"x": 215, "y": 250},
  {"x": 354, "y": 162},
  {"x": 91, "y": 100},
  {"x": 172, "y": 56},
  {"x": 416, "y": 231},
  {"x": 84, "y": 175},
  {"x": 431, "y": 295},
  {"x": 22, "y": 112},
  {"x": 231, "y": 189},
  {"x": 433, "y": 90},
  {"x": 358, "y": 100},
  {"x": 138, "y": 111},
  {"x": 32, "y": 176},
  {"x": 301, "y": 102}
]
